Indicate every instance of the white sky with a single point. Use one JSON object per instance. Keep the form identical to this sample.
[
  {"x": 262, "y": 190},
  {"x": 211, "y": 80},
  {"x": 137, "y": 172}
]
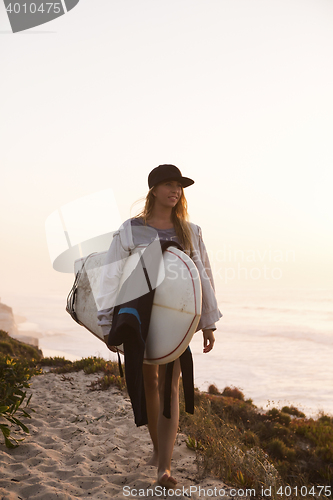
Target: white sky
[{"x": 236, "y": 93}]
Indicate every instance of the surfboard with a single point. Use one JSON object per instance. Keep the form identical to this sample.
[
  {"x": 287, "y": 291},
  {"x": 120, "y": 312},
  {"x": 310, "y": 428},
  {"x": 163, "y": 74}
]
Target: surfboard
[{"x": 176, "y": 307}]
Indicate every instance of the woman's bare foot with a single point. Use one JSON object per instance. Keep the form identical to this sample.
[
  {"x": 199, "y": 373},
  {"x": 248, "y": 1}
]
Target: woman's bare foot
[
  {"x": 165, "y": 479},
  {"x": 153, "y": 459}
]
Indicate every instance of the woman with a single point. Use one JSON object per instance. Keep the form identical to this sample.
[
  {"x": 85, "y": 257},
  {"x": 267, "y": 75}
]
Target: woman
[{"x": 165, "y": 212}]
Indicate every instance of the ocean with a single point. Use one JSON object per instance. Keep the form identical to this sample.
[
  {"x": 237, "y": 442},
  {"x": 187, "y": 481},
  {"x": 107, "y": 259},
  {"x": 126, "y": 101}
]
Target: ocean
[{"x": 274, "y": 345}]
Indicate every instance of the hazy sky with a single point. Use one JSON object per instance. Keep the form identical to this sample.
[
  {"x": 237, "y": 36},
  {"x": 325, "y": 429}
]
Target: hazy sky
[{"x": 236, "y": 93}]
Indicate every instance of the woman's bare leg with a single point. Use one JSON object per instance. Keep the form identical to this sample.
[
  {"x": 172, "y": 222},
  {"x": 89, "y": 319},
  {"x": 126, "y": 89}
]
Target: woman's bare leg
[
  {"x": 150, "y": 378},
  {"x": 167, "y": 427}
]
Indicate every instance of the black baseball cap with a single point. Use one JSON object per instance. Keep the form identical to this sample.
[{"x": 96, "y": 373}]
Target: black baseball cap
[{"x": 164, "y": 173}]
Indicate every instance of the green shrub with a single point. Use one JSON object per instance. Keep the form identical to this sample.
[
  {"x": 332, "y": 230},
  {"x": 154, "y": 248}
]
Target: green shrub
[
  {"x": 319, "y": 432},
  {"x": 212, "y": 389},
  {"x": 233, "y": 393},
  {"x": 291, "y": 410},
  {"x": 325, "y": 452},
  {"x": 56, "y": 361},
  {"x": 251, "y": 439},
  {"x": 88, "y": 365},
  {"x": 14, "y": 376},
  {"x": 325, "y": 419},
  {"x": 280, "y": 431},
  {"x": 104, "y": 382},
  {"x": 280, "y": 450},
  {"x": 276, "y": 415}
]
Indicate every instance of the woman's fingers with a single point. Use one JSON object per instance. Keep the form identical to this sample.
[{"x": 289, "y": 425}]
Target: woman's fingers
[{"x": 209, "y": 340}]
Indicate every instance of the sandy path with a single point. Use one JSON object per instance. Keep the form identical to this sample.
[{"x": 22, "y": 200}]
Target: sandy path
[{"x": 84, "y": 445}]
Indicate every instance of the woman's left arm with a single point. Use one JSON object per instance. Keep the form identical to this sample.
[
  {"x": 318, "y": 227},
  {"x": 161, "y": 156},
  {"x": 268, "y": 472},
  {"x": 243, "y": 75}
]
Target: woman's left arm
[{"x": 210, "y": 312}]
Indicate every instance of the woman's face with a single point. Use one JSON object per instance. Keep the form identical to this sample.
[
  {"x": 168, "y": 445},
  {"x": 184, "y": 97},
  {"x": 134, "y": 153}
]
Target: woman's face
[{"x": 168, "y": 193}]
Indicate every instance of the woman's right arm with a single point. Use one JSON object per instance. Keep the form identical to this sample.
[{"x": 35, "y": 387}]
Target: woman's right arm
[{"x": 110, "y": 277}]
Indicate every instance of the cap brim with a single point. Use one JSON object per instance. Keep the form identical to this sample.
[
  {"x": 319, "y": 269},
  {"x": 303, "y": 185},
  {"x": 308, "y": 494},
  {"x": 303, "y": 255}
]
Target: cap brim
[{"x": 186, "y": 181}]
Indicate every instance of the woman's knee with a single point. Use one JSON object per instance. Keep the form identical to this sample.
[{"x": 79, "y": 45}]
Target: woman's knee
[{"x": 150, "y": 376}]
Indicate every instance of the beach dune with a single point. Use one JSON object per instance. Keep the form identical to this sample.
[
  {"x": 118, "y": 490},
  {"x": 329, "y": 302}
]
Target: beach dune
[{"x": 84, "y": 444}]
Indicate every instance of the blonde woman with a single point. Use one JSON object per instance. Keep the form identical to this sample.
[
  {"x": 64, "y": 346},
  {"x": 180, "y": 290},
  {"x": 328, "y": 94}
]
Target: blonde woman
[{"x": 165, "y": 214}]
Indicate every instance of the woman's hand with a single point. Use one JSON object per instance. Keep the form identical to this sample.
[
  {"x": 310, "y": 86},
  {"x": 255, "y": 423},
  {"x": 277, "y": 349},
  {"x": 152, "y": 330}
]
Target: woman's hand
[
  {"x": 209, "y": 340},
  {"x": 111, "y": 347}
]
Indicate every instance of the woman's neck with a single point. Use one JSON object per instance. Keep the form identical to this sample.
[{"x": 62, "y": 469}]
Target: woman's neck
[{"x": 161, "y": 218}]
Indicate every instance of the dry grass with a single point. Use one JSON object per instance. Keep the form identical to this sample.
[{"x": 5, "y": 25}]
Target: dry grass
[{"x": 247, "y": 448}]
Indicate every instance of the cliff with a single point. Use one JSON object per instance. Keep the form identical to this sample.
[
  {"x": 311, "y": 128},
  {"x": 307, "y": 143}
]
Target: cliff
[
  {"x": 8, "y": 324},
  {"x": 7, "y": 321}
]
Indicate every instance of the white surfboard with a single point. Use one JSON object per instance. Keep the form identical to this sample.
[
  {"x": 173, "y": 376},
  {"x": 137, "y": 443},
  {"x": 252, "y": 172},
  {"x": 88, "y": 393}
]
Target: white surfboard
[{"x": 176, "y": 307}]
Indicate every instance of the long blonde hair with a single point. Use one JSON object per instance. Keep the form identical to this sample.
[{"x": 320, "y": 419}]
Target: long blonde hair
[{"x": 179, "y": 217}]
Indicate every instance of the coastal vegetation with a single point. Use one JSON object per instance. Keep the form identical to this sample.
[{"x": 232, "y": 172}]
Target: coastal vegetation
[
  {"x": 279, "y": 453},
  {"x": 18, "y": 362},
  {"x": 18, "y": 350}
]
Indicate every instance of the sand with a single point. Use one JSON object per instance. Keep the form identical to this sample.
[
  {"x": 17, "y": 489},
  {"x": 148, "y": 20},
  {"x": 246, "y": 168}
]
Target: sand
[{"x": 84, "y": 444}]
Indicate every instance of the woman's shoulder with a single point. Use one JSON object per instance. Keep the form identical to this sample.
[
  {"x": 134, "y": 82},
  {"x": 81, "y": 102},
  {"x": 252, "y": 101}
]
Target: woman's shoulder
[
  {"x": 136, "y": 221},
  {"x": 132, "y": 221},
  {"x": 195, "y": 229},
  {"x": 124, "y": 233}
]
